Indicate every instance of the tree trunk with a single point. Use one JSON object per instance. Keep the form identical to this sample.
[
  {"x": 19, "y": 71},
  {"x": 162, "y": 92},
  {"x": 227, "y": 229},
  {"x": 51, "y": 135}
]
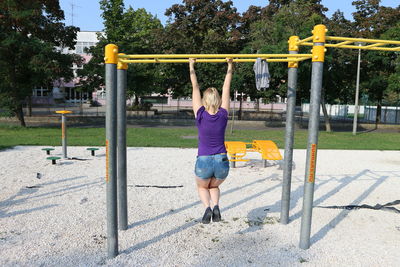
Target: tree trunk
[
  {"x": 81, "y": 104},
  {"x": 257, "y": 104},
  {"x": 378, "y": 114},
  {"x": 271, "y": 114},
  {"x": 136, "y": 104},
  {"x": 29, "y": 106},
  {"x": 19, "y": 112},
  {"x": 240, "y": 108},
  {"x": 177, "y": 107},
  {"x": 326, "y": 116}
]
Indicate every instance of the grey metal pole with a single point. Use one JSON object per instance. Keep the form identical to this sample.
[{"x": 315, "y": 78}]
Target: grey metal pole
[
  {"x": 64, "y": 135},
  {"x": 289, "y": 133},
  {"x": 111, "y": 150},
  {"x": 313, "y": 128},
  {"x": 121, "y": 150},
  {"x": 357, "y": 93},
  {"x": 64, "y": 130}
]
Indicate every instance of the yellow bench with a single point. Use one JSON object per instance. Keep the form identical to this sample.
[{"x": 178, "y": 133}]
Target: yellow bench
[
  {"x": 237, "y": 150},
  {"x": 268, "y": 149}
]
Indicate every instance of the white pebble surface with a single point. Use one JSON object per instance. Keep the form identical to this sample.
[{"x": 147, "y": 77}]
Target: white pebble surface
[{"x": 59, "y": 219}]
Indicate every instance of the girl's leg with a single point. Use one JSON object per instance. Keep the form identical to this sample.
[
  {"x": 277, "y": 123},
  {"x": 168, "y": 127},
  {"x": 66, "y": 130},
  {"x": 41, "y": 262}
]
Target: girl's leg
[
  {"x": 214, "y": 193},
  {"x": 204, "y": 192},
  {"x": 214, "y": 190}
]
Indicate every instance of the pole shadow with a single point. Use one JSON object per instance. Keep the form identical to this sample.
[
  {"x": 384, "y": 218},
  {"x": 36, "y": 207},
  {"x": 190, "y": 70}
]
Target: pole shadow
[
  {"x": 194, "y": 222},
  {"x": 4, "y": 214},
  {"x": 142, "y": 222},
  {"x": 343, "y": 214},
  {"x": 345, "y": 181},
  {"x": 28, "y": 196}
]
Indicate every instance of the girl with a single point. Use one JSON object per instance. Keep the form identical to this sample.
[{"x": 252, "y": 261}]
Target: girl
[{"x": 212, "y": 165}]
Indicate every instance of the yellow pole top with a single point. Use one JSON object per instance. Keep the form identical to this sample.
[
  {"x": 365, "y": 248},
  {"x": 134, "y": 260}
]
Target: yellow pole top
[
  {"x": 122, "y": 65},
  {"x": 319, "y": 36},
  {"x": 293, "y": 43},
  {"x": 63, "y": 111},
  {"x": 319, "y": 33},
  {"x": 293, "y": 47},
  {"x": 111, "y": 54}
]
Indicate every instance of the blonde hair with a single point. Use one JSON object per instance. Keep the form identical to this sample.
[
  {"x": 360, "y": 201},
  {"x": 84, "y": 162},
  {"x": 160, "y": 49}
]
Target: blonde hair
[{"x": 211, "y": 99}]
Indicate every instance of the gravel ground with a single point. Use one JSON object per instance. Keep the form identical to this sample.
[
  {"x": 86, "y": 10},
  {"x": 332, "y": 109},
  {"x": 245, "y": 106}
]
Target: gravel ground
[{"x": 59, "y": 219}]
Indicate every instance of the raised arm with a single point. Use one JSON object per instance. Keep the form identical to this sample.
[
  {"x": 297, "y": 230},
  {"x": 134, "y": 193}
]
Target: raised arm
[
  {"x": 196, "y": 97},
  {"x": 227, "y": 86}
]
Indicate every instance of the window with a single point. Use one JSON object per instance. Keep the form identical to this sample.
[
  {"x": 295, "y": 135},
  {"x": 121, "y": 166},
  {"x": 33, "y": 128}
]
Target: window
[{"x": 40, "y": 92}]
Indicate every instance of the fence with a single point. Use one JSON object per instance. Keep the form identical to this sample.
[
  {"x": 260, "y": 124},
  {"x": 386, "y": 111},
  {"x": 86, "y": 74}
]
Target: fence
[
  {"x": 388, "y": 114},
  {"x": 181, "y": 108}
]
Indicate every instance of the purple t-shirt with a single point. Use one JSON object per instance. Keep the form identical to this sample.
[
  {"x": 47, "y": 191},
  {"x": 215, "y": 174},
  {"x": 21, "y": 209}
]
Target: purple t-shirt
[{"x": 211, "y": 131}]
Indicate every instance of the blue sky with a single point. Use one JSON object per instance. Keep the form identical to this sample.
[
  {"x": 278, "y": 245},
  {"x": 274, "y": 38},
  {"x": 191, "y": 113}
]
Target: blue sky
[{"x": 87, "y": 12}]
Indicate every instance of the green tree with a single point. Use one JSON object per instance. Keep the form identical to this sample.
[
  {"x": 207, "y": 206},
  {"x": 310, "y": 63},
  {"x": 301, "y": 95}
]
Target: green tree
[
  {"x": 271, "y": 34},
  {"x": 30, "y": 31},
  {"x": 134, "y": 31},
  {"x": 372, "y": 21},
  {"x": 341, "y": 64},
  {"x": 140, "y": 35},
  {"x": 199, "y": 27},
  {"x": 393, "y": 94},
  {"x": 339, "y": 68}
]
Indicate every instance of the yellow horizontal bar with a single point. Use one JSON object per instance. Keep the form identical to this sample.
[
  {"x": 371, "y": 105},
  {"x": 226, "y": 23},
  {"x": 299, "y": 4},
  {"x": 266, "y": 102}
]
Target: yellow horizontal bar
[
  {"x": 368, "y": 47},
  {"x": 362, "y": 40},
  {"x": 209, "y": 60},
  {"x": 307, "y": 44},
  {"x": 305, "y": 40},
  {"x": 374, "y": 45},
  {"x": 174, "y": 56},
  {"x": 303, "y": 58},
  {"x": 182, "y": 60},
  {"x": 342, "y": 43}
]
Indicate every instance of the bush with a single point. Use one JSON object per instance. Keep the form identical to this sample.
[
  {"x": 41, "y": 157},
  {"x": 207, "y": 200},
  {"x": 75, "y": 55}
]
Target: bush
[
  {"x": 6, "y": 113},
  {"x": 140, "y": 107}
]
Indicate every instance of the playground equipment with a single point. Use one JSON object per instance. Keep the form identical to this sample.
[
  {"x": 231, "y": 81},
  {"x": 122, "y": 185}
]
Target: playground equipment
[
  {"x": 64, "y": 130},
  {"x": 212, "y": 58},
  {"x": 320, "y": 41},
  {"x": 237, "y": 150},
  {"x": 53, "y": 159},
  {"x": 47, "y": 149},
  {"x": 92, "y": 150},
  {"x": 268, "y": 149},
  {"x": 116, "y": 66}
]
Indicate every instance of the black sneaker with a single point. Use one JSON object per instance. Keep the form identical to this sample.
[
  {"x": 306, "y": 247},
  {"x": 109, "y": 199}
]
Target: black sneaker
[
  {"x": 207, "y": 216},
  {"x": 216, "y": 216}
]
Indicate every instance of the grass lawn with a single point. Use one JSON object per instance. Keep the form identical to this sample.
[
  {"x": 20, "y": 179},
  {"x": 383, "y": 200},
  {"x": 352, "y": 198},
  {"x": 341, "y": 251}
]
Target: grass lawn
[{"x": 166, "y": 137}]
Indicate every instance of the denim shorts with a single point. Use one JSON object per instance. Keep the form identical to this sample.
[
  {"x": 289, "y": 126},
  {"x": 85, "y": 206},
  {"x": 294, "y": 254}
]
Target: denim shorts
[{"x": 212, "y": 166}]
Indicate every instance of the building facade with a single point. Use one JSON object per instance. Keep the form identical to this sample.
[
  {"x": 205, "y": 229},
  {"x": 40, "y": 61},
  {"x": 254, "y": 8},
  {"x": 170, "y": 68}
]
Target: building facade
[{"x": 67, "y": 91}]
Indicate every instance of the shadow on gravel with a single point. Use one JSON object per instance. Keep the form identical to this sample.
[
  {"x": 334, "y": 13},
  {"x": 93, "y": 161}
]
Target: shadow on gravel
[
  {"x": 343, "y": 214},
  {"x": 28, "y": 194},
  {"x": 139, "y": 223},
  {"x": 258, "y": 217},
  {"x": 193, "y": 222}
]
